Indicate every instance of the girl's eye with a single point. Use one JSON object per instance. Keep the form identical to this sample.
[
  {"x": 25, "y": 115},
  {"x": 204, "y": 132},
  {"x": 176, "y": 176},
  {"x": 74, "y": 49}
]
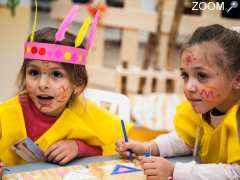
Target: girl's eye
[
  {"x": 57, "y": 74},
  {"x": 202, "y": 76},
  {"x": 184, "y": 75},
  {"x": 33, "y": 72}
]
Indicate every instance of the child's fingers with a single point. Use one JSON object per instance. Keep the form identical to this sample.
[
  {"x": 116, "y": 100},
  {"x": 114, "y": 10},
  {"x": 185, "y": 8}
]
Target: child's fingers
[
  {"x": 53, "y": 154},
  {"x": 124, "y": 154},
  {"x": 148, "y": 165},
  {"x": 144, "y": 160},
  {"x": 152, "y": 177},
  {"x": 50, "y": 150},
  {"x": 150, "y": 172},
  {"x": 1, "y": 169},
  {"x": 59, "y": 157},
  {"x": 65, "y": 160},
  {"x": 119, "y": 143},
  {"x": 121, "y": 146},
  {"x": 1, "y": 164}
]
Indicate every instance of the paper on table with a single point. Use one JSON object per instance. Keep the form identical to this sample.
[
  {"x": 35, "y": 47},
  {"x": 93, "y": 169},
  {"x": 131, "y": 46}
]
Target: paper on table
[
  {"x": 28, "y": 150},
  {"x": 82, "y": 174}
]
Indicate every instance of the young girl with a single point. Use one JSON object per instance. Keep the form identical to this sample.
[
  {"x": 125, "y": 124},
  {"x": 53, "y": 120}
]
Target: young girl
[
  {"x": 208, "y": 123},
  {"x": 47, "y": 108}
]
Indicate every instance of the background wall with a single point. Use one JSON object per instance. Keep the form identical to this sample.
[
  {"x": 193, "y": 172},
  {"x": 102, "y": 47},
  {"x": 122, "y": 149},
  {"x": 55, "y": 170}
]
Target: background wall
[{"x": 13, "y": 32}]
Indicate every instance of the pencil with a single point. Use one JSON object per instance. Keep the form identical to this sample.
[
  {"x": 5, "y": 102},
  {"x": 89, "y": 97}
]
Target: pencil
[
  {"x": 125, "y": 137},
  {"x": 124, "y": 131}
]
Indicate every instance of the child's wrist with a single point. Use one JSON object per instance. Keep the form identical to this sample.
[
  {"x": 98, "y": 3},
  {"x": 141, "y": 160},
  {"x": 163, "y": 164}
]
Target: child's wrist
[{"x": 148, "y": 148}]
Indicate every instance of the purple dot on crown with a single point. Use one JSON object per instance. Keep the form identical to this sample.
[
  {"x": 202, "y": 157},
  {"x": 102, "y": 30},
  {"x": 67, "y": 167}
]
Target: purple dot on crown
[
  {"x": 58, "y": 54},
  {"x": 74, "y": 57}
]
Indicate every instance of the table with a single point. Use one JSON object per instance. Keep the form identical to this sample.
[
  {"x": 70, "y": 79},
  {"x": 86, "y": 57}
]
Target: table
[{"x": 81, "y": 161}]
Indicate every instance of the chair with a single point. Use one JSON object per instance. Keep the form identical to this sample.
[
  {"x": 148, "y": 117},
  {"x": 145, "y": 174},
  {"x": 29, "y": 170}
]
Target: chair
[{"x": 114, "y": 102}]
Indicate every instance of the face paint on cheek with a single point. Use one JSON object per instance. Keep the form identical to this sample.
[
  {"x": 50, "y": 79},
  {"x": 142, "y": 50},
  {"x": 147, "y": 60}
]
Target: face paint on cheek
[
  {"x": 209, "y": 94},
  {"x": 29, "y": 87},
  {"x": 62, "y": 96},
  {"x": 188, "y": 58}
]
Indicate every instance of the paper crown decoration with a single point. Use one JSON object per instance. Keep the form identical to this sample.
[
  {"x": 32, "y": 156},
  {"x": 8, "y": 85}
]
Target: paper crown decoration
[{"x": 63, "y": 53}]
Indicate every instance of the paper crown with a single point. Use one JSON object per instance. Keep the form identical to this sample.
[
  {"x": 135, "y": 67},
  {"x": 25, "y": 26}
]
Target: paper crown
[{"x": 63, "y": 53}]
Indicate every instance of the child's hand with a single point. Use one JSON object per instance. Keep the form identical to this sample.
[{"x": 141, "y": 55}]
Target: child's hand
[
  {"x": 156, "y": 167},
  {"x": 1, "y": 169},
  {"x": 62, "y": 152},
  {"x": 136, "y": 147}
]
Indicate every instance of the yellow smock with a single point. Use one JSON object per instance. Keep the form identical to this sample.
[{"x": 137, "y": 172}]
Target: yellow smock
[
  {"x": 216, "y": 145},
  {"x": 81, "y": 120}
]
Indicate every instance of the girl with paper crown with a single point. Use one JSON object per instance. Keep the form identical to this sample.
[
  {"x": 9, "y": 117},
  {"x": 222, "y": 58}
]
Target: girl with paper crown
[
  {"x": 207, "y": 124},
  {"x": 48, "y": 108}
]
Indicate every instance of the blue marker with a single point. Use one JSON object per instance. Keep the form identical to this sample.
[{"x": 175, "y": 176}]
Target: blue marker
[
  {"x": 124, "y": 131},
  {"x": 147, "y": 154},
  {"x": 126, "y": 137}
]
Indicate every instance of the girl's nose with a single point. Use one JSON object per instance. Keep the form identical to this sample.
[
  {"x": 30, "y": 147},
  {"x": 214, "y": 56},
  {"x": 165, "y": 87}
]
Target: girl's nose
[
  {"x": 44, "y": 82},
  {"x": 190, "y": 86}
]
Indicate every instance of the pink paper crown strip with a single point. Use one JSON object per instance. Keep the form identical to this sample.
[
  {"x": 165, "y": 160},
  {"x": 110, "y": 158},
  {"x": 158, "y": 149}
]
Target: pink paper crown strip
[{"x": 55, "y": 52}]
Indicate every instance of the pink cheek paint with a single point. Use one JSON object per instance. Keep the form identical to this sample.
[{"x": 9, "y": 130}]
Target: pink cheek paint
[
  {"x": 209, "y": 94},
  {"x": 189, "y": 59},
  {"x": 29, "y": 87}
]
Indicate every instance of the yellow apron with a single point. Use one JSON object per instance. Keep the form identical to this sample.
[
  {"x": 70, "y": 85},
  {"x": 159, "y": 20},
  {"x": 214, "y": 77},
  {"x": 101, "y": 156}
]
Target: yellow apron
[
  {"x": 82, "y": 120},
  {"x": 216, "y": 145}
]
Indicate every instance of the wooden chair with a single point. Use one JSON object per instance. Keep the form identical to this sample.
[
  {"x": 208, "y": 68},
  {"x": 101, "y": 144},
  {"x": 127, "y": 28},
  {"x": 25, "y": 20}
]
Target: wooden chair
[
  {"x": 119, "y": 104},
  {"x": 114, "y": 102}
]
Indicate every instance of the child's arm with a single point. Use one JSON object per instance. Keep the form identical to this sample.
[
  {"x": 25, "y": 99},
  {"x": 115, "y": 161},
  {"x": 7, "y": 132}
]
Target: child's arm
[
  {"x": 136, "y": 147},
  {"x": 158, "y": 168},
  {"x": 139, "y": 148},
  {"x": 64, "y": 151},
  {"x": 166, "y": 145},
  {"x": 206, "y": 171},
  {"x": 171, "y": 145},
  {"x": 86, "y": 150}
]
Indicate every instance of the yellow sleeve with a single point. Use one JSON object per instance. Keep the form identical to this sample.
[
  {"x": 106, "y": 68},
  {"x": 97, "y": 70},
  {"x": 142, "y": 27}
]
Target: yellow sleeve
[
  {"x": 107, "y": 126},
  {"x": 185, "y": 122},
  {"x": 104, "y": 125}
]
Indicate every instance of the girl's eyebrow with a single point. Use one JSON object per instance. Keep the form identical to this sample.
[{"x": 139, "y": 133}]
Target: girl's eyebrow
[
  {"x": 181, "y": 69},
  {"x": 195, "y": 68},
  {"x": 32, "y": 65},
  {"x": 51, "y": 68},
  {"x": 58, "y": 68},
  {"x": 198, "y": 68}
]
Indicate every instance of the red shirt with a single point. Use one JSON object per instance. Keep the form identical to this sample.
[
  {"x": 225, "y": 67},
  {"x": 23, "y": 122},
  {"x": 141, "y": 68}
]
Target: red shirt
[{"x": 38, "y": 123}]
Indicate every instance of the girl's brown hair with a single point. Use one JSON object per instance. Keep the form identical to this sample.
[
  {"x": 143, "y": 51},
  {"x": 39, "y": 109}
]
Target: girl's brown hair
[
  {"x": 227, "y": 39},
  {"x": 77, "y": 73}
]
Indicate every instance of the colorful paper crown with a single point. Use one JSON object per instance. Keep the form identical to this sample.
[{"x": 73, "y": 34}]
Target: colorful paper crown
[{"x": 63, "y": 53}]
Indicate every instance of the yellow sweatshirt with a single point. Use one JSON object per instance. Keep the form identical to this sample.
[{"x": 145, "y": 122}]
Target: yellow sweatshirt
[
  {"x": 216, "y": 145},
  {"x": 81, "y": 120}
]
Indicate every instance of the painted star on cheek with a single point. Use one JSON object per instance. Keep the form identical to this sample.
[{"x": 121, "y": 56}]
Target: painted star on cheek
[{"x": 62, "y": 94}]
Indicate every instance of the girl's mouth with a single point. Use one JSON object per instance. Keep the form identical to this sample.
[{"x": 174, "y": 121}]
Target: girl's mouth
[{"x": 45, "y": 100}]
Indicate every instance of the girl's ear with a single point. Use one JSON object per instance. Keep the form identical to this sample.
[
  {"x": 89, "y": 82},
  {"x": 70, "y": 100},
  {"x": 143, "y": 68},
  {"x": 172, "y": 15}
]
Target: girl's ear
[
  {"x": 77, "y": 90},
  {"x": 236, "y": 81}
]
